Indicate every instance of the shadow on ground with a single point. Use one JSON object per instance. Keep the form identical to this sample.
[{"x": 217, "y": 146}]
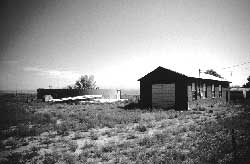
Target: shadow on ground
[{"x": 131, "y": 106}]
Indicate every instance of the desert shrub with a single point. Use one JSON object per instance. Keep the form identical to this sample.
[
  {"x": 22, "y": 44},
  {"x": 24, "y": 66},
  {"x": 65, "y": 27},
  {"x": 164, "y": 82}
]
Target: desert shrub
[
  {"x": 217, "y": 115},
  {"x": 69, "y": 158},
  {"x": 93, "y": 135},
  {"x": 147, "y": 117},
  {"x": 146, "y": 141},
  {"x": 50, "y": 158},
  {"x": 149, "y": 156},
  {"x": 175, "y": 156},
  {"x": 47, "y": 141},
  {"x": 12, "y": 142},
  {"x": 88, "y": 145},
  {"x": 29, "y": 154},
  {"x": 60, "y": 106},
  {"x": 160, "y": 115},
  {"x": 131, "y": 136},
  {"x": 72, "y": 145},
  {"x": 192, "y": 127},
  {"x": 77, "y": 135},
  {"x": 160, "y": 137},
  {"x": 63, "y": 128},
  {"x": 15, "y": 158},
  {"x": 111, "y": 119},
  {"x": 141, "y": 128},
  {"x": 199, "y": 108},
  {"x": 175, "y": 131},
  {"x": 105, "y": 157},
  {"x": 184, "y": 129},
  {"x": 90, "y": 152},
  {"x": 210, "y": 111},
  {"x": 88, "y": 119},
  {"x": 108, "y": 148},
  {"x": 23, "y": 157},
  {"x": 107, "y": 132},
  {"x": 172, "y": 114}
]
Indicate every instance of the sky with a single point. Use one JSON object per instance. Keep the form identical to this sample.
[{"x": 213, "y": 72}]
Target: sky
[{"x": 54, "y": 42}]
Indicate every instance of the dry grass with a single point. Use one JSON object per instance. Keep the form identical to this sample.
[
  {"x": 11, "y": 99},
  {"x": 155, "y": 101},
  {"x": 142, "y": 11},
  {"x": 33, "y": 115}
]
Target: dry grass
[{"x": 36, "y": 132}]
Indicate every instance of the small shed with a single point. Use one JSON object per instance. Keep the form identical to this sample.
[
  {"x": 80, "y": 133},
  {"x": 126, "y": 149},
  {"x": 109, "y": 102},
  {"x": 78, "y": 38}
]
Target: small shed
[
  {"x": 239, "y": 93},
  {"x": 164, "y": 88}
]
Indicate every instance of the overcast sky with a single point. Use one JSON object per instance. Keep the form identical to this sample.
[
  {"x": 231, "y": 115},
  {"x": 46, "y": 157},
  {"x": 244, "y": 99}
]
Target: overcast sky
[{"x": 53, "y": 42}]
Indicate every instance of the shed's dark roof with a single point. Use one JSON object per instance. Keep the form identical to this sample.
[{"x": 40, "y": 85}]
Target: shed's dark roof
[
  {"x": 161, "y": 69},
  {"x": 165, "y": 70}
]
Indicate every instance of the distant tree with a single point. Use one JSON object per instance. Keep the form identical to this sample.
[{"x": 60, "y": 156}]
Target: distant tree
[
  {"x": 70, "y": 87},
  {"x": 213, "y": 73},
  {"x": 85, "y": 82},
  {"x": 247, "y": 85}
]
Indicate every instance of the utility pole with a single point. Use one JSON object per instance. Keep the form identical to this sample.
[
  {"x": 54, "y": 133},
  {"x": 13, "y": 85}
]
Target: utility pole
[{"x": 199, "y": 72}]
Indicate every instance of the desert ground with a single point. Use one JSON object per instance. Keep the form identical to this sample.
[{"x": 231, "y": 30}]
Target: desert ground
[{"x": 37, "y": 132}]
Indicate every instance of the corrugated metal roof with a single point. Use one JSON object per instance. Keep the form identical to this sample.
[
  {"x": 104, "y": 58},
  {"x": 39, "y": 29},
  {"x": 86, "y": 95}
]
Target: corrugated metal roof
[{"x": 210, "y": 77}]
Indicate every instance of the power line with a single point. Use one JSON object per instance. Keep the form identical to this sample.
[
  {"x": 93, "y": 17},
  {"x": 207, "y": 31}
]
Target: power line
[
  {"x": 236, "y": 65},
  {"x": 231, "y": 72}
]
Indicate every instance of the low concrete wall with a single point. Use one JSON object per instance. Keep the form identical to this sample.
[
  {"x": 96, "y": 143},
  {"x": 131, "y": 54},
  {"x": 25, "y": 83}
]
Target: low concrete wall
[{"x": 61, "y": 93}]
